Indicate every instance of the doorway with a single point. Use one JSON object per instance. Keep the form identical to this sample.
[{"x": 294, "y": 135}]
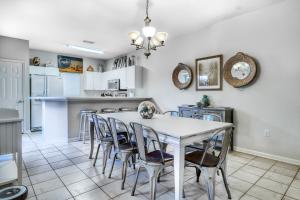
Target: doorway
[{"x": 12, "y": 85}]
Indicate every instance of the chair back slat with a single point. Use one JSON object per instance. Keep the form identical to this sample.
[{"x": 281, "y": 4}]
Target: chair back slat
[
  {"x": 113, "y": 125},
  {"x": 222, "y": 137},
  {"x": 139, "y": 137},
  {"x": 172, "y": 113},
  {"x": 101, "y": 126},
  {"x": 151, "y": 134},
  {"x": 114, "y": 132},
  {"x": 225, "y": 145}
]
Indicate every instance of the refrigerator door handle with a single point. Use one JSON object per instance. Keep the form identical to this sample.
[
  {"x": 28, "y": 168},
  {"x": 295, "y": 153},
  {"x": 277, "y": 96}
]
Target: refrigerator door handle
[{"x": 46, "y": 87}]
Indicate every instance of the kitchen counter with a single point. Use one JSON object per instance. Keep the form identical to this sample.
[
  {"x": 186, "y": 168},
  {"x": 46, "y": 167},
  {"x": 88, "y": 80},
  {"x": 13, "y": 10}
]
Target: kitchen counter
[
  {"x": 81, "y": 98},
  {"x": 61, "y": 115}
]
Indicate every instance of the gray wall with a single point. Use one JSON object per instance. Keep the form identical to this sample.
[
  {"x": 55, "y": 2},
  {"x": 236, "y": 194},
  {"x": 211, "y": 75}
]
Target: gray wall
[
  {"x": 69, "y": 78},
  {"x": 271, "y": 35},
  {"x": 17, "y": 49}
]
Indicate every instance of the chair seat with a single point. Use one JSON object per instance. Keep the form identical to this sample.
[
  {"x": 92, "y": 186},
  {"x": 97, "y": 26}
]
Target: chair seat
[
  {"x": 121, "y": 138},
  {"x": 155, "y": 156},
  {"x": 128, "y": 147},
  {"x": 195, "y": 157}
]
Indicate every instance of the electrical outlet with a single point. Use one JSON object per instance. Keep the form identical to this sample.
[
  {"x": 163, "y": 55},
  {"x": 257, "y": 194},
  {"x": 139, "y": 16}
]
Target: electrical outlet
[{"x": 267, "y": 132}]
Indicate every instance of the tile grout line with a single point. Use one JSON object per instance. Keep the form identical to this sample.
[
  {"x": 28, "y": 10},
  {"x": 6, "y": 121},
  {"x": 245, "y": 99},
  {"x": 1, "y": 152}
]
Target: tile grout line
[
  {"x": 294, "y": 178},
  {"x": 254, "y": 184},
  {"x": 55, "y": 173}
]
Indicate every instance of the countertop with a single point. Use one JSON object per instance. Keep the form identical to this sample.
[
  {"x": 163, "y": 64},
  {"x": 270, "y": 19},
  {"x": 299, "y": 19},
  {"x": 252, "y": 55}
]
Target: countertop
[
  {"x": 80, "y": 98},
  {"x": 10, "y": 120}
]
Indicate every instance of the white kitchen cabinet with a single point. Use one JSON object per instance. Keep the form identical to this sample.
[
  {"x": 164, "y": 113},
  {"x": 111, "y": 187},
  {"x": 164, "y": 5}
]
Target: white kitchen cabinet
[
  {"x": 89, "y": 80},
  {"x": 133, "y": 77},
  {"x": 98, "y": 81},
  {"x": 130, "y": 78},
  {"x": 45, "y": 71},
  {"x": 122, "y": 76}
]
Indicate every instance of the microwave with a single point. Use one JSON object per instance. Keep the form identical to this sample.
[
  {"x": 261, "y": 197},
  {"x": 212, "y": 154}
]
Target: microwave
[{"x": 113, "y": 84}]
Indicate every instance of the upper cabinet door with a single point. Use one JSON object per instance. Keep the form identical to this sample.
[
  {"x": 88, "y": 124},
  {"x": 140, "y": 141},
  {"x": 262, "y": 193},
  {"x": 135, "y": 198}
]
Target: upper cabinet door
[
  {"x": 122, "y": 77},
  {"x": 89, "y": 80},
  {"x": 99, "y": 83},
  {"x": 134, "y": 77}
]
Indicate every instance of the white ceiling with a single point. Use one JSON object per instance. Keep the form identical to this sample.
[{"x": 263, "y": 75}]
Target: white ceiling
[{"x": 50, "y": 24}]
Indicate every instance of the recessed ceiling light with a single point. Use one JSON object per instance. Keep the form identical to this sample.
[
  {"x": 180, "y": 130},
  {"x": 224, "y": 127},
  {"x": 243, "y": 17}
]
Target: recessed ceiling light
[
  {"x": 84, "y": 49},
  {"x": 88, "y": 42}
]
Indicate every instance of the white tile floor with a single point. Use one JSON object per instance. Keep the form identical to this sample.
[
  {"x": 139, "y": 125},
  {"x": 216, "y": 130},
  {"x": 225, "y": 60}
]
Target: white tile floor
[{"x": 63, "y": 171}]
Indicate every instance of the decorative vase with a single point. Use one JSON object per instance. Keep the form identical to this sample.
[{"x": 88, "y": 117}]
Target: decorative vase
[
  {"x": 36, "y": 61},
  {"x": 205, "y": 101},
  {"x": 90, "y": 68},
  {"x": 199, "y": 104},
  {"x": 146, "y": 109}
]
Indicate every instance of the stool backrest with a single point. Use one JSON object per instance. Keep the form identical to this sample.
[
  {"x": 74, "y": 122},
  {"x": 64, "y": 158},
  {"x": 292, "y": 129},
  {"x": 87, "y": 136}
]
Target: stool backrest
[{"x": 125, "y": 109}]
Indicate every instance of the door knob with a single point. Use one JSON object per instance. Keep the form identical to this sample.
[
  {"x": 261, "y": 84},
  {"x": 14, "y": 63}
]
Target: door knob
[{"x": 20, "y": 101}]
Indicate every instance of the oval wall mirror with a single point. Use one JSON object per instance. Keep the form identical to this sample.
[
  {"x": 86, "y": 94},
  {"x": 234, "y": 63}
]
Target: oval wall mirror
[
  {"x": 240, "y": 70},
  {"x": 182, "y": 76}
]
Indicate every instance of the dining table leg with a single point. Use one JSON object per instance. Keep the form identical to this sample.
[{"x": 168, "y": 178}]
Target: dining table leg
[
  {"x": 179, "y": 160},
  {"x": 92, "y": 138}
]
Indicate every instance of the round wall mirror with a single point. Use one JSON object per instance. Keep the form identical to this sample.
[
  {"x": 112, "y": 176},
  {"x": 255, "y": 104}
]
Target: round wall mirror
[
  {"x": 240, "y": 70},
  {"x": 182, "y": 76}
]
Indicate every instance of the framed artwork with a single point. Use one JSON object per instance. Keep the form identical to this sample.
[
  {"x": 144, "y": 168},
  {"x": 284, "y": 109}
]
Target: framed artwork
[
  {"x": 209, "y": 73},
  {"x": 70, "y": 64}
]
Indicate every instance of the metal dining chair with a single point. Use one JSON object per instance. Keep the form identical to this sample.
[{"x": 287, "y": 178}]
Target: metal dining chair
[
  {"x": 200, "y": 145},
  {"x": 153, "y": 161},
  {"x": 123, "y": 150},
  {"x": 210, "y": 160},
  {"x": 172, "y": 113},
  {"x": 105, "y": 139}
]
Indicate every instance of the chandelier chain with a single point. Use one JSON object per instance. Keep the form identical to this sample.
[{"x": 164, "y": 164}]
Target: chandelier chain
[{"x": 147, "y": 8}]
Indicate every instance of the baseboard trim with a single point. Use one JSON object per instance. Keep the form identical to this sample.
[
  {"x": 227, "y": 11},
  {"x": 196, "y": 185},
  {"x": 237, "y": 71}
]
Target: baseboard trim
[{"x": 266, "y": 155}]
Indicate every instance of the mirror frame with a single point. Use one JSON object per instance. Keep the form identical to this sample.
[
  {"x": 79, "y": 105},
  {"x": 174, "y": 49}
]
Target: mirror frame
[
  {"x": 175, "y": 78},
  {"x": 239, "y": 57}
]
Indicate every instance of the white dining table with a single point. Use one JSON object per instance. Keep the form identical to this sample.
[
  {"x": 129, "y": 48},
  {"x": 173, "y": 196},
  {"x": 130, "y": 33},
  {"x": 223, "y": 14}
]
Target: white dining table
[{"x": 176, "y": 131}]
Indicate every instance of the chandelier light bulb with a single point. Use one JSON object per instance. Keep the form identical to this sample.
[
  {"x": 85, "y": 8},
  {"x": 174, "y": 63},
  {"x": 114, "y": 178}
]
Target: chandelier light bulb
[
  {"x": 154, "y": 42},
  {"x": 161, "y": 36},
  {"x": 139, "y": 41},
  {"x": 149, "y": 31},
  {"x": 133, "y": 35}
]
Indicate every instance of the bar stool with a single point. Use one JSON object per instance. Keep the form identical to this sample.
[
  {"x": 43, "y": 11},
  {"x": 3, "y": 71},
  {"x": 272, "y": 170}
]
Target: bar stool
[
  {"x": 84, "y": 128},
  {"x": 108, "y": 110},
  {"x": 125, "y": 109}
]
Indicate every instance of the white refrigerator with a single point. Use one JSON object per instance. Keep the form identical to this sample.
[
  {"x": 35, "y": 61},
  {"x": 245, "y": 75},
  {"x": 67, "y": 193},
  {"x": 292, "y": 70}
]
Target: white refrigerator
[{"x": 42, "y": 85}]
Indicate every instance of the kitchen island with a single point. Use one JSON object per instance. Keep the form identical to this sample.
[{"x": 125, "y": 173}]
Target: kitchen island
[{"x": 61, "y": 115}]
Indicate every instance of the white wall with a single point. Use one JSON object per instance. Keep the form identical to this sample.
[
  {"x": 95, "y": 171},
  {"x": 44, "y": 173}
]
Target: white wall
[
  {"x": 73, "y": 82},
  {"x": 272, "y": 36},
  {"x": 17, "y": 49}
]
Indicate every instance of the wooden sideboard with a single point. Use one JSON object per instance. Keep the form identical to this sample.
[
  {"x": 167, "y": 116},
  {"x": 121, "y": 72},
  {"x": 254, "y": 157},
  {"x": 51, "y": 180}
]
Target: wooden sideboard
[{"x": 225, "y": 113}]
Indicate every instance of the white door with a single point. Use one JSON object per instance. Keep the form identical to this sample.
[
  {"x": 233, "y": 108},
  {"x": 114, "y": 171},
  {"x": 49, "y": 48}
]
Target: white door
[{"x": 11, "y": 85}]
